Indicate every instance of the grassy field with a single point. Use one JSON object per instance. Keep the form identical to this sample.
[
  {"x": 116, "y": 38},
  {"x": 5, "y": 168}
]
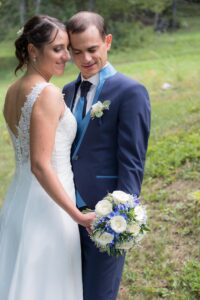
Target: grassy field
[{"x": 166, "y": 265}]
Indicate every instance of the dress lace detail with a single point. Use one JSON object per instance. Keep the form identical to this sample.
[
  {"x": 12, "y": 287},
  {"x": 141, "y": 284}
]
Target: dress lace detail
[{"x": 22, "y": 141}]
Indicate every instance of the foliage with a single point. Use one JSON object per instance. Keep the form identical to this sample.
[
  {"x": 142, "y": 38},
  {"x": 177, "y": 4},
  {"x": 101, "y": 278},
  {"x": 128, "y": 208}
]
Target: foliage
[
  {"x": 129, "y": 34},
  {"x": 12, "y": 16},
  {"x": 190, "y": 278},
  {"x": 124, "y": 18},
  {"x": 173, "y": 151},
  {"x": 151, "y": 5}
]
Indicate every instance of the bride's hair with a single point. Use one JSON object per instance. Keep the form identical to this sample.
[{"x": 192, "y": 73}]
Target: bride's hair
[{"x": 38, "y": 31}]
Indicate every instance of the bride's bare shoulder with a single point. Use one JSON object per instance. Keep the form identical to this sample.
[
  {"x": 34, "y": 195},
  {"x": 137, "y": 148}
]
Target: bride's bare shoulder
[
  {"x": 18, "y": 88},
  {"x": 11, "y": 96},
  {"x": 12, "y": 87}
]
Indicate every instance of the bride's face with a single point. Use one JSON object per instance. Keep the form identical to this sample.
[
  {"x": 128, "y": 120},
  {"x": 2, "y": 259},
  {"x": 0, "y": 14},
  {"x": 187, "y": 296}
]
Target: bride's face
[{"x": 51, "y": 59}]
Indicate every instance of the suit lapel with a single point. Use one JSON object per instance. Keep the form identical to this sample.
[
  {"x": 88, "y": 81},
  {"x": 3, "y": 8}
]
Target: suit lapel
[
  {"x": 71, "y": 93},
  {"x": 105, "y": 73}
]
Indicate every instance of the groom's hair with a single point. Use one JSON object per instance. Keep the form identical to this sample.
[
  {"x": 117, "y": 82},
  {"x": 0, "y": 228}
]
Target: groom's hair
[{"x": 79, "y": 22}]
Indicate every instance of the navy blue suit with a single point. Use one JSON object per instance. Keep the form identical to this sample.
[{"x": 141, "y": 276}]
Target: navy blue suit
[{"x": 109, "y": 155}]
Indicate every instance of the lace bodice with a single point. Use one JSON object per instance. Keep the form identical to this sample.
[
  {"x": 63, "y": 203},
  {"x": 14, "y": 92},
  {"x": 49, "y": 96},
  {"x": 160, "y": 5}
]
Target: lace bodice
[{"x": 65, "y": 132}]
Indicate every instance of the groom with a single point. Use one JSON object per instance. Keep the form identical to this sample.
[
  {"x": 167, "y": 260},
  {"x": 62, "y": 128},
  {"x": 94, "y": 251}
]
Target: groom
[{"x": 109, "y": 151}]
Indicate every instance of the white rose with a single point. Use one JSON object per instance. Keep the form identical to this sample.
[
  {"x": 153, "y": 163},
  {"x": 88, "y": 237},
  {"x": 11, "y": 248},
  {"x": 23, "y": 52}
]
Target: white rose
[
  {"x": 103, "y": 208},
  {"x": 131, "y": 201},
  {"x": 97, "y": 106},
  {"x": 140, "y": 214},
  {"x": 133, "y": 228},
  {"x": 97, "y": 110},
  {"x": 120, "y": 197},
  {"x": 118, "y": 224},
  {"x": 124, "y": 245},
  {"x": 104, "y": 238}
]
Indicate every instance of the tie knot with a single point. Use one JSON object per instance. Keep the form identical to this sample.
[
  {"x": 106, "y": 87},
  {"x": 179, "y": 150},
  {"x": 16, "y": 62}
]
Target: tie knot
[{"x": 85, "y": 86}]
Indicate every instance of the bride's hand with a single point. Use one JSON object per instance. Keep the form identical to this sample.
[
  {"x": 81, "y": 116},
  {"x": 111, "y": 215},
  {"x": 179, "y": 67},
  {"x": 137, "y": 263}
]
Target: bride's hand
[{"x": 87, "y": 219}]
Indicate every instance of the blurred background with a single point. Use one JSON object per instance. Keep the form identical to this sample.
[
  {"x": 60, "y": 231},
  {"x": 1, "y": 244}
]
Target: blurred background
[
  {"x": 122, "y": 17},
  {"x": 156, "y": 42}
]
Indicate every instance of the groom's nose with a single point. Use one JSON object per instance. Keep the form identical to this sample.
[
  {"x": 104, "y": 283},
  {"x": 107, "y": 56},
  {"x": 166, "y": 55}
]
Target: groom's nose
[{"x": 86, "y": 57}]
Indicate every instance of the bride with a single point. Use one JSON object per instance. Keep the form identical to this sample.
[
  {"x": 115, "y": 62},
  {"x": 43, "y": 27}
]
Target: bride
[{"x": 40, "y": 256}]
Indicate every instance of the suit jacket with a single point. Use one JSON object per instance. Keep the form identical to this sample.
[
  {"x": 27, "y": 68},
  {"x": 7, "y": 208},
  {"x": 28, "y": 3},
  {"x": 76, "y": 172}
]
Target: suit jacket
[{"x": 111, "y": 152}]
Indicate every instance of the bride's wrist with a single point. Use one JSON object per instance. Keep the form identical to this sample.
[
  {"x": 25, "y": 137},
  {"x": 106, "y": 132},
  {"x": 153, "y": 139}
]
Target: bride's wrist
[{"x": 79, "y": 217}]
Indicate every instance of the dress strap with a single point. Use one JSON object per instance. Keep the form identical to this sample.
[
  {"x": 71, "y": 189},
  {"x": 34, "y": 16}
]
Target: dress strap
[
  {"x": 30, "y": 100},
  {"x": 35, "y": 92}
]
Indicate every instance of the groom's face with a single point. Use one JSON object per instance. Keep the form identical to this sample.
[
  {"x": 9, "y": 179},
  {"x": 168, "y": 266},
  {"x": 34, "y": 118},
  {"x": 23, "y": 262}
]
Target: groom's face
[{"x": 89, "y": 50}]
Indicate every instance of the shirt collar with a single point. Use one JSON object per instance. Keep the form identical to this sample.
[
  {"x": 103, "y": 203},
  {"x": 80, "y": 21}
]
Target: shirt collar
[{"x": 95, "y": 78}]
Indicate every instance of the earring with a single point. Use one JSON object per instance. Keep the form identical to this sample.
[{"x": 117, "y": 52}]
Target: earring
[{"x": 34, "y": 59}]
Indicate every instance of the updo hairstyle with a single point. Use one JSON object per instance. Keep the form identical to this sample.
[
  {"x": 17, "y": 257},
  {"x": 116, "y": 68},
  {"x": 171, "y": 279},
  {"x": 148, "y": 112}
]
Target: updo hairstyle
[{"x": 38, "y": 31}]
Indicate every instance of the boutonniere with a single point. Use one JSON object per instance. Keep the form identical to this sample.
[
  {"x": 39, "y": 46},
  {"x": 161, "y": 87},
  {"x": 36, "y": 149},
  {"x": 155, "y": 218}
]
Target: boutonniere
[{"x": 98, "y": 108}]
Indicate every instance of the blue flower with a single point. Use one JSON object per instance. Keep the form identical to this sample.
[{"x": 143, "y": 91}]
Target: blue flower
[{"x": 125, "y": 216}]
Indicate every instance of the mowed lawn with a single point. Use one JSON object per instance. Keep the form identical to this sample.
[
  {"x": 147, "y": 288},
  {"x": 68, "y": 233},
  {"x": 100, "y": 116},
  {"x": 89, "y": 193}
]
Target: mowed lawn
[{"x": 166, "y": 264}]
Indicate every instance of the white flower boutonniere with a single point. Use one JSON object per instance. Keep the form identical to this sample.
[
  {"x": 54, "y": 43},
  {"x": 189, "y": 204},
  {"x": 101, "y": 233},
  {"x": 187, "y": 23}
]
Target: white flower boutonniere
[{"x": 98, "y": 108}]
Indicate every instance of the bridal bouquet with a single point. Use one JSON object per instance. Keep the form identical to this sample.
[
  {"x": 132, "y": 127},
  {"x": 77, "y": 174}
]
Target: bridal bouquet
[{"x": 120, "y": 223}]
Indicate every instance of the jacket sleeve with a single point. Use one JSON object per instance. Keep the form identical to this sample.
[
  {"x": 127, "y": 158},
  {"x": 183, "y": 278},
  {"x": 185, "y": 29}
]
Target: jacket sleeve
[{"x": 133, "y": 134}]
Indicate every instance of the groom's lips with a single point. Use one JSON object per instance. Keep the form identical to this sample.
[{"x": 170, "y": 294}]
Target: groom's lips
[{"x": 88, "y": 66}]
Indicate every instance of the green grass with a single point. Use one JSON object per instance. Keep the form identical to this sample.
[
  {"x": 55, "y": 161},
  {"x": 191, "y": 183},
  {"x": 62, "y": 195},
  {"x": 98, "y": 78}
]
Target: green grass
[{"x": 166, "y": 265}]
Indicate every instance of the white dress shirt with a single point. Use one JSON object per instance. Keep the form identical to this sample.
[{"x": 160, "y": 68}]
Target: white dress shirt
[{"x": 90, "y": 95}]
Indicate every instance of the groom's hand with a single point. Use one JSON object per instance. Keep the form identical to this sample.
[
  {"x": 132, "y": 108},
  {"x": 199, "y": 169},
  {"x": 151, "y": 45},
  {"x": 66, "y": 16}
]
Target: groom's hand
[{"x": 89, "y": 229}]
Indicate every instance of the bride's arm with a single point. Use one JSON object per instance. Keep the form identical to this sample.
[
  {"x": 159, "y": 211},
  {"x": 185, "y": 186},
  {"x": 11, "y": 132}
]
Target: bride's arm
[{"x": 46, "y": 113}]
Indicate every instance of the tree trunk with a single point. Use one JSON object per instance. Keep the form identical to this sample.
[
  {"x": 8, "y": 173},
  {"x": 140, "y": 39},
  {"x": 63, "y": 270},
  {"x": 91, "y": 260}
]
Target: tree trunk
[
  {"x": 22, "y": 11},
  {"x": 85, "y": 5},
  {"x": 80, "y": 5},
  {"x": 91, "y": 5},
  {"x": 37, "y": 6},
  {"x": 156, "y": 19},
  {"x": 174, "y": 10}
]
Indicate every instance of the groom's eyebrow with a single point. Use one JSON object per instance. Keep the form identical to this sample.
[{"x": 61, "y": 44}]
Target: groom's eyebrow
[{"x": 93, "y": 47}]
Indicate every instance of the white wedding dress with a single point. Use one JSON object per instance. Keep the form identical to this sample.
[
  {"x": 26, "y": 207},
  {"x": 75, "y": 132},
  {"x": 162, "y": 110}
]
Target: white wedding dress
[{"x": 40, "y": 256}]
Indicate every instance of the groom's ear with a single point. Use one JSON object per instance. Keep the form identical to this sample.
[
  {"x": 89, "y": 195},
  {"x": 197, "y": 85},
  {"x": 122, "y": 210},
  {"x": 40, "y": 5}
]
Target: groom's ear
[{"x": 108, "y": 41}]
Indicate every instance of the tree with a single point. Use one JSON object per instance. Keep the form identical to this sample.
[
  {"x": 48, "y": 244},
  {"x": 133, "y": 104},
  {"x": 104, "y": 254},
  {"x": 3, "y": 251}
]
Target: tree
[
  {"x": 122, "y": 17},
  {"x": 27, "y": 8},
  {"x": 22, "y": 11},
  {"x": 85, "y": 5},
  {"x": 174, "y": 9},
  {"x": 37, "y": 6}
]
